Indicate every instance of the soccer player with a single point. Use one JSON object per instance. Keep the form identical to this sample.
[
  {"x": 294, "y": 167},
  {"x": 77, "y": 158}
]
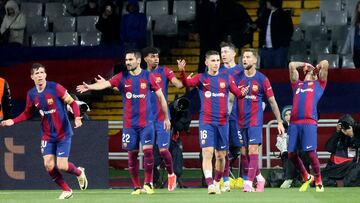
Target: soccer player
[
  {"x": 303, "y": 123},
  {"x": 213, "y": 90},
  {"x": 162, "y": 75},
  {"x": 250, "y": 115},
  {"x": 135, "y": 86},
  {"x": 49, "y": 98},
  {"x": 229, "y": 66}
]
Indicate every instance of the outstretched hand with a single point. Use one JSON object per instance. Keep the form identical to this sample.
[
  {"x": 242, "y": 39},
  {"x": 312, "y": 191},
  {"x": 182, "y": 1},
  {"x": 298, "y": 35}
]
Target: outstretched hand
[
  {"x": 8, "y": 122},
  {"x": 82, "y": 88},
  {"x": 99, "y": 78},
  {"x": 181, "y": 64}
]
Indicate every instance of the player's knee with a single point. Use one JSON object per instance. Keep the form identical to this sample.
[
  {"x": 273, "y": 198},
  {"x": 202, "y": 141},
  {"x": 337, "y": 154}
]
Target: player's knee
[
  {"x": 62, "y": 166},
  {"x": 49, "y": 165},
  {"x": 207, "y": 154}
]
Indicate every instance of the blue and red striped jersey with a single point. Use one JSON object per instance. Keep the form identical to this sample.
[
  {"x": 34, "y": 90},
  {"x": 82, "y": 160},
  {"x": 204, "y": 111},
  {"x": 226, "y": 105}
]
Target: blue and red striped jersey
[
  {"x": 306, "y": 95},
  {"x": 214, "y": 92},
  {"x": 250, "y": 112},
  {"x": 55, "y": 124},
  {"x": 162, "y": 75},
  {"x": 136, "y": 97},
  {"x": 237, "y": 69}
]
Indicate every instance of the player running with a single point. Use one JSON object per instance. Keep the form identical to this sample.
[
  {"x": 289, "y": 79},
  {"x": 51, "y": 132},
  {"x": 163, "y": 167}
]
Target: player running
[{"x": 50, "y": 99}]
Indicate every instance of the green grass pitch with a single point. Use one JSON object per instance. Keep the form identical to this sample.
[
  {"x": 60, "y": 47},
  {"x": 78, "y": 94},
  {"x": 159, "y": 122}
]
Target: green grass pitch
[{"x": 188, "y": 195}]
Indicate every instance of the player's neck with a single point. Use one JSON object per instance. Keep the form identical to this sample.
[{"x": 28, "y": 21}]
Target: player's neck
[
  {"x": 137, "y": 71},
  {"x": 213, "y": 73},
  {"x": 150, "y": 68},
  {"x": 250, "y": 72},
  {"x": 41, "y": 87},
  {"x": 230, "y": 64}
]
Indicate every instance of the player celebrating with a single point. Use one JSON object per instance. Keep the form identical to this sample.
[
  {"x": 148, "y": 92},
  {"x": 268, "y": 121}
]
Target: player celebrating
[
  {"x": 250, "y": 115},
  {"x": 303, "y": 123},
  {"x": 135, "y": 86},
  {"x": 49, "y": 99},
  {"x": 213, "y": 90},
  {"x": 162, "y": 75},
  {"x": 229, "y": 66}
]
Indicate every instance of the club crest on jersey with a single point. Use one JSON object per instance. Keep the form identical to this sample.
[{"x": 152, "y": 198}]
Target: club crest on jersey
[
  {"x": 255, "y": 88},
  {"x": 222, "y": 84},
  {"x": 158, "y": 79},
  {"x": 142, "y": 85},
  {"x": 50, "y": 101}
]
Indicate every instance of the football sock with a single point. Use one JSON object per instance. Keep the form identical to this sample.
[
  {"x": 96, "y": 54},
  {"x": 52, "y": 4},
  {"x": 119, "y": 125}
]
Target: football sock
[
  {"x": 58, "y": 179},
  {"x": 218, "y": 175},
  {"x": 244, "y": 166},
  {"x": 73, "y": 170},
  {"x": 253, "y": 165},
  {"x": 148, "y": 165},
  {"x": 315, "y": 165},
  {"x": 165, "y": 154},
  {"x": 293, "y": 156},
  {"x": 226, "y": 169},
  {"x": 133, "y": 164}
]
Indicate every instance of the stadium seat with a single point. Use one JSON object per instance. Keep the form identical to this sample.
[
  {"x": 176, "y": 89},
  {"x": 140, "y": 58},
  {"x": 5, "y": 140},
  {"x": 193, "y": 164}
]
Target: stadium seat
[
  {"x": 166, "y": 25},
  {"x": 90, "y": 38},
  {"x": 339, "y": 32},
  {"x": 350, "y": 6},
  {"x": 313, "y": 33},
  {"x": 156, "y": 9},
  {"x": 300, "y": 57},
  {"x": 54, "y": 10},
  {"x": 298, "y": 47},
  {"x": 310, "y": 18},
  {"x": 335, "y": 18},
  {"x": 330, "y": 5},
  {"x": 63, "y": 39},
  {"x": 64, "y": 24},
  {"x": 87, "y": 24},
  {"x": 347, "y": 62},
  {"x": 321, "y": 47},
  {"x": 31, "y": 9},
  {"x": 141, "y": 7},
  {"x": 185, "y": 10},
  {"x": 297, "y": 34},
  {"x": 36, "y": 24},
  {"x": 42, "y": 39},
  {"x": 332, "y": 58}
]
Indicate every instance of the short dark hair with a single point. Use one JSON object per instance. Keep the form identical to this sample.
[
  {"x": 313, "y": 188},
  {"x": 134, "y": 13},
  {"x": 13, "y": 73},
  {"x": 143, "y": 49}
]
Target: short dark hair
[
  {"x": 35, "y": 67},
  {"x": 150, "y": 50},
  {"x": 228, "y": 44},
  {"x": 210, "y": 53},
  {"x": 136, "y": 53},
  {"x": 276, "y": 3},
  {"x": 253, "y": 51}
]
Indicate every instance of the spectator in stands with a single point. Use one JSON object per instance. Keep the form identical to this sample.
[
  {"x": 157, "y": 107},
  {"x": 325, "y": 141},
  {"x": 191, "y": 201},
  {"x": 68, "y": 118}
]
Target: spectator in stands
[
  {"x": 208, "y": 25},
  {"x": 5, "y": 100},
  {"x": 2, "y": 9},
  {"x": 108, "y": 25},
  {"x": 13, "y": 25},
  {"x": 343, "y": 146},
  {"x": 133, "y": 27},
  {"x": 75, "y": 7},
  {"x": 352, "y": 43},
  {"x": 236, "y": 24},
  {"x": 276, "y": 29},
  {"x": 91, "y": 9}
]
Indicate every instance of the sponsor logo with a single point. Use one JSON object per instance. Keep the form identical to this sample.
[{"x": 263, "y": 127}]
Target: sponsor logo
[
  {"x": 252, "y": 140},
  {"x": 222, "y": 147},
  {"x": 253, "y": 97},
  {"x": 124, "y": 145},
  {"x": 206, "y": 84},
  {"x": 43, "y": 113},
  {"x": 36, "y": 105},
  {"x": 61, "y": 153},
  {"x": 142, "y": 85},
  {"x": 209, "y": 94},
  {"x": 299, "y": 90},
  {"x": 203, "y": 141},
  {"x": 255, "y": 88},
  {"x": 164, "y": 144},
  {"x": 127, "y": 85},
  {"x": 308, "y": 147},
  {"x": 222, "y": 84},
  {"x": 129, "y": 95},
  {"x": 158, "y": 79},
  {"x": 147, "y": 141},
  {"x": 50, "y": 101}
]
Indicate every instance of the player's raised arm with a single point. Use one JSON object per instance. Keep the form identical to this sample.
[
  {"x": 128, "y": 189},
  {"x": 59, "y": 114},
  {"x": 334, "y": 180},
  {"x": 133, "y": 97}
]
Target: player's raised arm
[
  {"x": 239, "y": 93},
  {"x": 322, "y": 68},
  {"x": 293, "y": 70},
  {"x": 96, "y": 86},
  {"x": 176, "y": 82}
]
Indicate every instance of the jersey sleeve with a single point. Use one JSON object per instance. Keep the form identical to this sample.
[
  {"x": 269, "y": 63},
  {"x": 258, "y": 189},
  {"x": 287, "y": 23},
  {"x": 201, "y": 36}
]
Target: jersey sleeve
[
  {"x": 322, "y": 83},
  {"x": 233, "y": 88},
  {"x": 189, "y": 82},
  {"x": 60, "y": 91},
  {"x": 169, "y": 73},
  {"x": 27, "y": 113},
  {"x": 293, "y": 85},
  {"x": 267, "y": 88},
  {"x": 153, "y": 85},
  {"x": 115, "y": 81}
]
